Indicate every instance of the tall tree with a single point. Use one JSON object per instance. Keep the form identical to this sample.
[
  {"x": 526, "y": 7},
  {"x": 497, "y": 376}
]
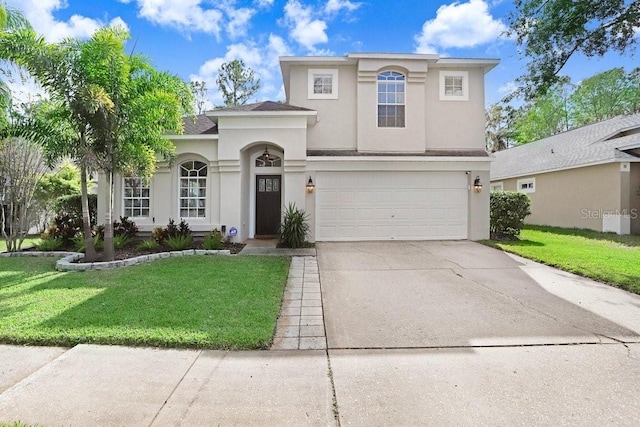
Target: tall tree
[
  {"x": 22, "y": 164},
  {"x": 200, "y": 93},
  {"x": 499, "y": 132},
  {"x": 551, "y": 32},
  {"x": 544, "y": 116},
  {"x": 604, "y": 96},
  {"x": 237, "y": 83},
  {"x": 10, "y": 21}
]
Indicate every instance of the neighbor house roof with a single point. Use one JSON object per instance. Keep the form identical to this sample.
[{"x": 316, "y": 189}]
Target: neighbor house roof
[{"x": 612, "y": 140}]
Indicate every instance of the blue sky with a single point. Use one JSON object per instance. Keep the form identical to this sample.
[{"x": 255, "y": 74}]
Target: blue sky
[{"x": 192, "y": 38}]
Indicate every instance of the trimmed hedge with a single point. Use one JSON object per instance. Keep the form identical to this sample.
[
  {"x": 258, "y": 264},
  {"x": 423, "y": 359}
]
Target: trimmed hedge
[
  {"x": 508, "y": 209},
  {"x": 71, "y": 206}
]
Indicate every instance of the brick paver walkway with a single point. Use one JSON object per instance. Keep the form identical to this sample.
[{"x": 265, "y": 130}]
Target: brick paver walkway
[{"x": 301, "y": 322}]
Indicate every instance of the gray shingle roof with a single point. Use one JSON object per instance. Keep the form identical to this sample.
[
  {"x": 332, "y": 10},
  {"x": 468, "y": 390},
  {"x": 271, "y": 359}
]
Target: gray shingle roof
[
  {"x": 203, "y": 125},
  {"x": 265, "y": 106},
  {"x": 597, "y": 143}
]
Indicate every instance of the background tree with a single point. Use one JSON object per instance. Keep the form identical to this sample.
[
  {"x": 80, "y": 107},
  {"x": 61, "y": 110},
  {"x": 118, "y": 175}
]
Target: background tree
[
  {"x": 544, "y": 116},
  {"x": 551, "y": 32},
  {"x": 22, "y": 164},
  {"x": 200, "y": 93},
  {"x": 606, "y": 95},
  {"x": 237, "y": 83},
  {"x": 65, "y": 181},
  {"x": 10, "y": 21},
  {"x": 499, "y": 131}
]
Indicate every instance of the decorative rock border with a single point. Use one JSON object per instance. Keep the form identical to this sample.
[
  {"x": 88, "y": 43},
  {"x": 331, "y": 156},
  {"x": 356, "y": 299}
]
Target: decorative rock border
[{"x": 68, "y": 262}]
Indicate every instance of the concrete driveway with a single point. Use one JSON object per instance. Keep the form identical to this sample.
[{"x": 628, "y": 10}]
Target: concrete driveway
[{"x": 445, "y": 294}]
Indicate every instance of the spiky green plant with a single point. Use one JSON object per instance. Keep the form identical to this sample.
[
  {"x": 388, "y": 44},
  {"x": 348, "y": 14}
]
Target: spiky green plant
[{"x": 294, "y": 227}]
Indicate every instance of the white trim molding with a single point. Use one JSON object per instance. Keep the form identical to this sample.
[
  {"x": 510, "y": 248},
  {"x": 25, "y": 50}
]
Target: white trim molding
[{"x": 527, "y": 185}]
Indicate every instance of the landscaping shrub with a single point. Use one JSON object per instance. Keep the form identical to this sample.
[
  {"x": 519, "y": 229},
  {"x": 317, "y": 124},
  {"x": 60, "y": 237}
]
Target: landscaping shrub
[
  {"x": 178, "y": 243},
  {"x": 65, "y": 227},
  {"x": 508, "y": 210},
  {"x": 158, "y": 235},
  {"x": 294, "y": 227},
  {"x": 48, "y": 244},
  {"x": 125, "y": 227},
  {"x": 149, "y": 245},
  {"x": 213, "y": 241},
  {"x": 122, "y": 241},
  {"x": 72, "y": 206},
  {"x": 79, "y": 245}
]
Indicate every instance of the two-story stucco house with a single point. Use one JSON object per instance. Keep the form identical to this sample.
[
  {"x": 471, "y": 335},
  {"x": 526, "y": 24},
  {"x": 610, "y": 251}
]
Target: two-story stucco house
[{"x": 371, "y": 146}]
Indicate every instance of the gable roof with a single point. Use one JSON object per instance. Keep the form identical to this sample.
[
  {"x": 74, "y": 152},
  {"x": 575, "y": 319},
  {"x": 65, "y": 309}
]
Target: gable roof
[
  {"x": 202, "y": 125},
  {"x": 603, "y": 142}
]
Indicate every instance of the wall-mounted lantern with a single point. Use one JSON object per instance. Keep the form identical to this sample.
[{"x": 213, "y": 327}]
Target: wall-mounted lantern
[
  {"x": 477, "y": 185},
  {"x": 310, "y": 186}
]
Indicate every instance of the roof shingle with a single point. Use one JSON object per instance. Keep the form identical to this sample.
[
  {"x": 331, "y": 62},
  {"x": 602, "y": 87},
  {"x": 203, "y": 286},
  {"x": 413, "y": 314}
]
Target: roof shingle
[{"x": 595, "y": 143}]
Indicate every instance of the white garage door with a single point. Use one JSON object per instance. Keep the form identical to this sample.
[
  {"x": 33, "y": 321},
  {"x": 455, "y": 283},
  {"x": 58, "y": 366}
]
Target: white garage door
[{"x": 391, "y": 205}]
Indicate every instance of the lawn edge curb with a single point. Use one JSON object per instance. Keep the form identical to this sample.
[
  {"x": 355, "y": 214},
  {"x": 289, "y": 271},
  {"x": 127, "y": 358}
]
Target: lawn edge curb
[{"x": 68, "y": 262}]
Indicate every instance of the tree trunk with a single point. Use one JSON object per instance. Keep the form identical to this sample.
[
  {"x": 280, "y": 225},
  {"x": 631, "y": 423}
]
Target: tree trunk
[
  {"x": 109, "y": 251},
  {"x": 90, "y": 254}
]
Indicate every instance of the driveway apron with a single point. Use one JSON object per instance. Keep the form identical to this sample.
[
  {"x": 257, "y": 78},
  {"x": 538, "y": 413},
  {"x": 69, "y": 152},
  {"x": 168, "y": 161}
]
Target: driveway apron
[{"x": 445, "y": 294}]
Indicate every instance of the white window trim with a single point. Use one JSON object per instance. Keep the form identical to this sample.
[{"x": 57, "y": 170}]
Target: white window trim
[
  {"x": 497, "y": 186},
  {"x": 326, "y": 72},
  {"x": 206, "y": 187},
  {"x": 465, "y": 86},
  {"x": 403, "y": 104},
  {"x": 124, "y": 186},
  {"x": 527, "y": 181}
]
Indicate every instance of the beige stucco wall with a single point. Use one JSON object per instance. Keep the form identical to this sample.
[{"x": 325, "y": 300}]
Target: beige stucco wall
[
  {"x": 574, "y": 197},
  {"x": 455, "y": 124},
  {"x": 336, "y": 127}
]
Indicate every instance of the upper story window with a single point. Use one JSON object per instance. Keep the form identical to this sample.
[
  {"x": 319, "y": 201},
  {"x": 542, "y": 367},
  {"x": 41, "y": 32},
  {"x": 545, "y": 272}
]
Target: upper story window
[
  {"x": 323, "y": 84},
  {"x": 454, "y": 85},
  {"x": 193, "y": 189},
  {"x": 391, "y": 99},
  {"x": 135, "y": 198}
]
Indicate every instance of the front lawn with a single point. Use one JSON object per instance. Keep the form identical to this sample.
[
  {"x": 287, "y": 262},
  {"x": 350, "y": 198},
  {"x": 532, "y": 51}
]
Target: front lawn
[
  {"x": 606, "y": 257},
  {"x": 28, "y": 242},
  {"x": 197, "y": 302}
]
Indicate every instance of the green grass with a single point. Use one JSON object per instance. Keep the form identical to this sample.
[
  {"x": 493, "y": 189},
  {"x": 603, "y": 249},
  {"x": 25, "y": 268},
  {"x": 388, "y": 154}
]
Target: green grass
[
  {"x": 28, "y": 242},
  {"x": 605, "y": 257},
  {"x": 192, "y": 302}
]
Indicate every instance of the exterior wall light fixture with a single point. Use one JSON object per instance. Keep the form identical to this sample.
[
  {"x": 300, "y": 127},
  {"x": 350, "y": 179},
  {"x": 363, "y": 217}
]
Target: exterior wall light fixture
[
  {"x": 310, "y": 186},
  {"x": 477, "y": 185}
]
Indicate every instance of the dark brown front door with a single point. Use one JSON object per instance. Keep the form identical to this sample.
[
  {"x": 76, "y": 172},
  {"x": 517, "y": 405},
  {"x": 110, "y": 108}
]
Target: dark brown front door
[{"x": 268, "y": 189}]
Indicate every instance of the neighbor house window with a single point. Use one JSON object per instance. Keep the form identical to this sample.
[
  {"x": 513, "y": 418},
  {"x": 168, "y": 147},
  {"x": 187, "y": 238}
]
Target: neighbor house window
[
  {"x": 497, "y": 186},
  {"x": 527, "y": 185},
  {"x": 391, "y": 99},
  {"x": 193, "y": 189},
  {"x": 135, "y": 199},
  {"x": 323, "y": 84},
  {"x": 454, "y": 86}
]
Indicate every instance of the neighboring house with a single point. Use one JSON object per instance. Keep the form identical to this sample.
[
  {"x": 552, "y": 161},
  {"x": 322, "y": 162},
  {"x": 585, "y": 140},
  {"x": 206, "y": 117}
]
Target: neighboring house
[
  {"x": 585, "y": 178},
  {"x": 371, "y": 146}
]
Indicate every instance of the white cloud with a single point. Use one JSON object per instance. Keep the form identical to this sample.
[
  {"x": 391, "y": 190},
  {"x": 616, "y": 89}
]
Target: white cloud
[
  {"x": 238, "y": 21},
  {"x": 335, "y": 6},
  {"x": 40, "y": 15},
  {"x": 264, "y": 3},
  {"x": 263, "y": 59},
  {"x": 508, "y": 88},
  {"x": 183, "y": 15},
  {"x": 459, "y": 25},
  {"x": 303, "y": 28}
]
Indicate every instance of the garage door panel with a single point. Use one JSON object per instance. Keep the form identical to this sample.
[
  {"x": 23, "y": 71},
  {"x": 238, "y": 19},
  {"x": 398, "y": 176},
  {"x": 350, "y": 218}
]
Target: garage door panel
[{"x": 391, "y": 205}]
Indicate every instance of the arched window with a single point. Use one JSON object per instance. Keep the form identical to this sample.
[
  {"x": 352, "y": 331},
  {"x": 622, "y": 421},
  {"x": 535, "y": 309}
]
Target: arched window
[
  {"x": 193, "y": 189},
  {"x": 391, "y": 90}
]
